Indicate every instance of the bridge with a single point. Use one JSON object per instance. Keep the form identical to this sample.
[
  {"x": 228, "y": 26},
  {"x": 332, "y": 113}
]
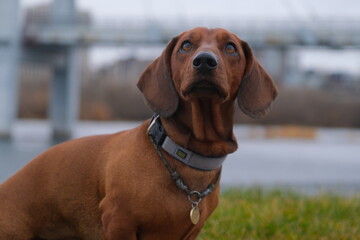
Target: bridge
[{"x": 58, "y": 35}]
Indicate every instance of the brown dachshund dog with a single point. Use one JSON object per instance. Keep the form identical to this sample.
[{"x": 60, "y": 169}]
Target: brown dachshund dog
[{"x": 125, "y": 185}]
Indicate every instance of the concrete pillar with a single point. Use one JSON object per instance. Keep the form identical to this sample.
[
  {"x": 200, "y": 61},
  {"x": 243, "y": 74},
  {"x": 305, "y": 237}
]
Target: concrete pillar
[
  {"x": 65, "y": 94},
  {"x": 9, "y": 63},
  {"x": 271, "y": 58},
  {"x": 65, "y": 85},
  {"x": 292, "y": 73},
  {"x": 282, "y": 63},
  {"x": 63, "y": 13}
]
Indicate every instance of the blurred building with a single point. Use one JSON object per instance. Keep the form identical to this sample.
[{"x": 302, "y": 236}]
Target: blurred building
[{"x": 36, "y": 72}]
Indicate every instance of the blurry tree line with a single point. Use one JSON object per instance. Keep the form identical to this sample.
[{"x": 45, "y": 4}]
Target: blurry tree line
[{"x": 110, "y": 93}]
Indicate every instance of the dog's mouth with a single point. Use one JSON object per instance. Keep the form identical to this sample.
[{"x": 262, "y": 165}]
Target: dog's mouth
[{"x": 204, "y": 88}]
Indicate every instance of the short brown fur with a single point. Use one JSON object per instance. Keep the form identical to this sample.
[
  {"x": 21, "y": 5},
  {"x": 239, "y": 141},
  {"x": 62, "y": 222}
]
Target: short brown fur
[{"x": 115, "y": 186}]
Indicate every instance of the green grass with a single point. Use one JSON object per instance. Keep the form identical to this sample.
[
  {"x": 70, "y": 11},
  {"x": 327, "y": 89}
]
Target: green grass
[{"x": 283, "y": 215}]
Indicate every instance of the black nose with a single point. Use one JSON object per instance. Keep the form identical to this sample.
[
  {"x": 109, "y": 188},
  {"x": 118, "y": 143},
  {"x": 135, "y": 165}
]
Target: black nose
[{"x": 205, "y": 61}]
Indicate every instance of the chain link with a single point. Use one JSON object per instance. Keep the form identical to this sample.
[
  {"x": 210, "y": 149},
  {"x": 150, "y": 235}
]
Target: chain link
[{"x": 180, "y": 183}]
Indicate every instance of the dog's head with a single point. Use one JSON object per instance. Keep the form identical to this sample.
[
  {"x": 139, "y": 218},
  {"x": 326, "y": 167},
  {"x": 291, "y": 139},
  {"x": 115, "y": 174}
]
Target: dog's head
[{"x": 207, "y": 63}]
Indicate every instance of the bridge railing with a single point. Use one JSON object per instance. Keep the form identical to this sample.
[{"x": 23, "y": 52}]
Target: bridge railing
[{"x": 333, "y": 33}]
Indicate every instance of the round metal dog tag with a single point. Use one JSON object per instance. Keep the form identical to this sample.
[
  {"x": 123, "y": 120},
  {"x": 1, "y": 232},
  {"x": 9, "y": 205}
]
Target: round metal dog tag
[{"x": 195, "y": 215}]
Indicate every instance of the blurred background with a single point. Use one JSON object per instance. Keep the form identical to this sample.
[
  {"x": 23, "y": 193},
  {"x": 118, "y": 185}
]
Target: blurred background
[{"x": 69, "y": 68}]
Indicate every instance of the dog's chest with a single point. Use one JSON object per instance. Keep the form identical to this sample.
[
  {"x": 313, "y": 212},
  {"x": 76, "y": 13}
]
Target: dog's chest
[{"x": 168, "y": 217}]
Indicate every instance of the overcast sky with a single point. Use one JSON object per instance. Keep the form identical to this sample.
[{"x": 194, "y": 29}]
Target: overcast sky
[
  {"x": 311, "y": 10},
  {"x": 279, "y": 9}
]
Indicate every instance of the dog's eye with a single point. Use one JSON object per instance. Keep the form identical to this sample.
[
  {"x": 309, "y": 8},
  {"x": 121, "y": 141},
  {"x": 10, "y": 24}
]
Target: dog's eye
[
  {"x": 230, "y": 48},
  {"x": 186, "y": 46}
]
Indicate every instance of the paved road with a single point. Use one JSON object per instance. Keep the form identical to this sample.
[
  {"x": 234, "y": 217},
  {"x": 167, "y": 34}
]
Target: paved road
[{"x": 332, "y": 161}]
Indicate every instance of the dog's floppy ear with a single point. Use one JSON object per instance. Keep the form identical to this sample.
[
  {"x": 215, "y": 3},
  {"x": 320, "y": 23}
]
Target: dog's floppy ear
[
  {"x": 157, "y": 86},
  {"x": 257, "y": 90}
]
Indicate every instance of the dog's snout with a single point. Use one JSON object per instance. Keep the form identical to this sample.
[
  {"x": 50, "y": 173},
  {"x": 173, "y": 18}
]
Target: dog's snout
[{"x": 205, "y": 61}]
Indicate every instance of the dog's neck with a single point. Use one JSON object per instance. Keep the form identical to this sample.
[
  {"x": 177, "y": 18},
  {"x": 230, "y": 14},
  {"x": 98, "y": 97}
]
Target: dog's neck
[{"x": 203, "y": 126}]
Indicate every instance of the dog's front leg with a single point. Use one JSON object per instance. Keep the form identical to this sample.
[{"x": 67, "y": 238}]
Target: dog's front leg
[
  {"x": 117, "y": 223},
  {"x": 194, "y": 232},
  {"x": 118, "y": 227}
]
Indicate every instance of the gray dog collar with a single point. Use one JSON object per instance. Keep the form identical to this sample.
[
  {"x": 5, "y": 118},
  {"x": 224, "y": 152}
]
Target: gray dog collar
[{"x": 191, "y": 159}]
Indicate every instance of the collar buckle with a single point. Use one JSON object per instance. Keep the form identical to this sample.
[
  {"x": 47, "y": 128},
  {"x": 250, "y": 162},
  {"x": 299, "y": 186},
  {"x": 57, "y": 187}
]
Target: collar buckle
[
  {"x": 156, "y": 130},
  {"x": 152, "y": 123}
]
